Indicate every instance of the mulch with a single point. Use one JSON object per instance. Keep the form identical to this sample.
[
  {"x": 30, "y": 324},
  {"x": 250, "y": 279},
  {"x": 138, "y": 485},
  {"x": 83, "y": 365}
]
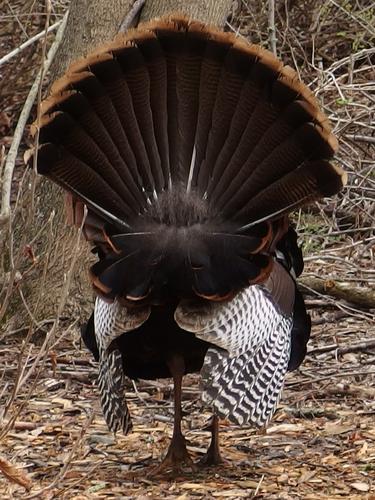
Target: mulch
[{"x": 320, "y": 444}]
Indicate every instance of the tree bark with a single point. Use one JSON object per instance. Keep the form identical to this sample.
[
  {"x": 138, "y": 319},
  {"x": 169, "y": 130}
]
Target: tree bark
[
  {"x": 208, "y": 11},
  {"x": 90, "y": 23}
]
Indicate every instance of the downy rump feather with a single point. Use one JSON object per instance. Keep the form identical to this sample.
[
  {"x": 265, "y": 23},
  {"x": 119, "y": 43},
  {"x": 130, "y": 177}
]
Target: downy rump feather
[{"x": 190, "y": 144}]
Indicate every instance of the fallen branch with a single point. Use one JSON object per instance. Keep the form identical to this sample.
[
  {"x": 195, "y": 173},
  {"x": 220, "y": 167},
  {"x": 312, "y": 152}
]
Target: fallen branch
[
  {"x": 361, "y": 138},
  {"x": 329, "y": 377},
  {"x": 360, "y": 296},
  {"x": 361, "y": 346},
  {"x": 349, "y": 390}
]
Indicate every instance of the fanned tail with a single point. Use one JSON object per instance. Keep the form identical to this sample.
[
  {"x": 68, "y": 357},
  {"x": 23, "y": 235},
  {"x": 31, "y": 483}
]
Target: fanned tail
[{"x": 190, "y": 145}]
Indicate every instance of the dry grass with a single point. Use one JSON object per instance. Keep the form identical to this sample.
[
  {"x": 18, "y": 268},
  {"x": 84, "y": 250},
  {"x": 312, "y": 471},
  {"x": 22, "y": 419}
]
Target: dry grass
[{"x": 321, "y": 443}]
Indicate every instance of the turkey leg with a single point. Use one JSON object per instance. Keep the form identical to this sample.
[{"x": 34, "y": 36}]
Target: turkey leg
[
  {"x": 212, "y": 456},
  {"x": 177, "y": 455}
]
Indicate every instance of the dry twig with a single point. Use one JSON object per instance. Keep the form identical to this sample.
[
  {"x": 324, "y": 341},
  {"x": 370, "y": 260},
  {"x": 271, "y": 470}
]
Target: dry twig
[
  {"x": 29, "y": 42},
  {"x": 360, "y": 296},
  {"x": 271, "y": 26}
]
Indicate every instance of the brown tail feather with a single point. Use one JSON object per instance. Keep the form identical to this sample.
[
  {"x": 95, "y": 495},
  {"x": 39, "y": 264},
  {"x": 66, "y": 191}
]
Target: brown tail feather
[
  {"x": 215, "y": 53},
  {"x": 311, "y": 181},
  {"x": 228, "y": 92},
  {"x": 157, "y": 67},
  {"x": 76, "y": 105},
  {"x": 75, "y": 176},
  {"x": 62, "y": 129}
]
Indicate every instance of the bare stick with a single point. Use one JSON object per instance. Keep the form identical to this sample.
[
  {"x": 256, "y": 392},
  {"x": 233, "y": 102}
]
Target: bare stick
[
  {"x": 271, "y": 26},
  {"x": 130, "y": 19},
  {"x": 330, "y": 376},
  {"x": 361, "y": 138},
  {"x": 361, "y": 346},
  {"x": 24, "y": 116},
  {"x": 361, "y": 296},
  {"x": 29, "y": 42}
]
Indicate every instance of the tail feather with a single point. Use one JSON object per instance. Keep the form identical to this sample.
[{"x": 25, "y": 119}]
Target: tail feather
[
  {"x": 61, "y": 127},
  {"x": 157, "y": 67},
  {"x": 171, "y": 42},
  {"x": 215, "y": 53},
  {"x": 188, "y": 71},
  {"x": 137, "y": 77},
  {"x": 235, "y": 150},
  {"x": 313, "y": 180},
  {"x": 286, "y": 158},
  {"x": 228, "y": 91},
  {"x": 123, "y": 130},
  {"x": 258, "y": 123},
  {"x": 77, "y": 177},
  {"x": 129, "y": 107},
  {"x": 76, "y": 105}
]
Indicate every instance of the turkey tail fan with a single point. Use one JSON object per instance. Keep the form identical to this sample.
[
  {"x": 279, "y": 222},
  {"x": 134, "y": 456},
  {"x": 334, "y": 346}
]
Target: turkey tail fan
[{"x": 192, "y": 146}]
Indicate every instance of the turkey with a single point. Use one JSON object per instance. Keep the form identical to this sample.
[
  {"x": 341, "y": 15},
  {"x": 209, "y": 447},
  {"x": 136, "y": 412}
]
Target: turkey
[{"x": 182, "y": 150}]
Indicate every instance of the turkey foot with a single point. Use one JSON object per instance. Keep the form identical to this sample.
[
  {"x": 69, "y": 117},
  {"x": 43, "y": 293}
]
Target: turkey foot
[
  {"x": 176, "y": 459},
  {"x": 177, "y": 455},
  {"x": 212, "y": 456}
]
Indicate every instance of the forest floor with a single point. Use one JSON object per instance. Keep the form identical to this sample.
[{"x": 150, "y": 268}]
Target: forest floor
[
  {"x": 319, "y": 445},
  {"x": 321, "y": 441}
]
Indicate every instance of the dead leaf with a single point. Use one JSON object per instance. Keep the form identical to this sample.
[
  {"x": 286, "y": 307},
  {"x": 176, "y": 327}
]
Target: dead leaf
[
  {"x": 14, "y": 474},
  {"x": 231, "y": 494},
  {"x": 65, "y": 403},
  {"x": 335, "y": 428},
  {"x": 331, "y": 460},
  {"x": 363, "y": 452},
  {"x": 306, "y": 476},
  {"x": 360, "y": 486},
  {"x": 248, "y": 484}
]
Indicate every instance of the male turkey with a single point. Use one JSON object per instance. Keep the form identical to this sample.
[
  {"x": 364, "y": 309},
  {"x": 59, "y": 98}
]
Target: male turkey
[{"x": 190, "y": 147}]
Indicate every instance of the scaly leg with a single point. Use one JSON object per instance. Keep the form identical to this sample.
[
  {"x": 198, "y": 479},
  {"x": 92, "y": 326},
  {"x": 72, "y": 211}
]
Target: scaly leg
[
  {"x": 177, "y": 455},
  {"x": 212, "y": 456}
]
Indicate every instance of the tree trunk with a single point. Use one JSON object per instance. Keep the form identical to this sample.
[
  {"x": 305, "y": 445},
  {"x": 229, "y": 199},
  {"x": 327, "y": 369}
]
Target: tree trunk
[
  {"x": 207, "y": 11},
  {"x": 90, "y": 23}
]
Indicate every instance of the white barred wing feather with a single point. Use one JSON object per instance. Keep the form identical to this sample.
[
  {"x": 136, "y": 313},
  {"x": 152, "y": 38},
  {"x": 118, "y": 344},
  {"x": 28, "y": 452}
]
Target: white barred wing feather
[
  {"x": 244, "y": 376},
  {"x": 111, "y": 381},
  {"x": 112, "y": 320}
]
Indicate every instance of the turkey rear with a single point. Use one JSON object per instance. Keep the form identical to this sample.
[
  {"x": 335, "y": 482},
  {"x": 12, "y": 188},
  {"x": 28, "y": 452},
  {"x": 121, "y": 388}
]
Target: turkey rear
[{"x": 190, "y": 147}]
